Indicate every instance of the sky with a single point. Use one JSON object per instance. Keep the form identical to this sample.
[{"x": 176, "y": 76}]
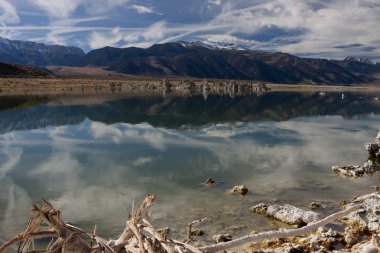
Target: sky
[{"x": 324, "y": 28}]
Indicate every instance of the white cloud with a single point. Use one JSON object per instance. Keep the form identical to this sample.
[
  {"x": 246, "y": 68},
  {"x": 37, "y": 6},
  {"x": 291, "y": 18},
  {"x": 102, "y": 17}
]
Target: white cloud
[
  {"x": 299, "y": 27},
  {"x": 312, "y": 29},
  {"x": 58, "y": 164},
  {"x": 102, "y": 39},
  {"x": 142, "y": 9},
  {"x": 216, "y": 2},
  {"x": 100, "y": 130},
  {"x": 155, "y": 32},
  {"x": 94, "y": 7},
  {"x": 8, "y": 13},
  {"x": 15, "y": 208},
  {"x": 12, "y": 155},
  {"x": 57, "y": 9},
  {"x": 141, "y": 161}
]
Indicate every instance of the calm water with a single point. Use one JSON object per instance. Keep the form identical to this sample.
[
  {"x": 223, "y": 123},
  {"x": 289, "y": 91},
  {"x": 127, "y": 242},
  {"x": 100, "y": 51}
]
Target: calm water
[{"x": 91, "y": 155}]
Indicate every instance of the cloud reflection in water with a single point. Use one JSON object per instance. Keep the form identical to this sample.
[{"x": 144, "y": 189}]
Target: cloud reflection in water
[{"x": 92, "y": 171}]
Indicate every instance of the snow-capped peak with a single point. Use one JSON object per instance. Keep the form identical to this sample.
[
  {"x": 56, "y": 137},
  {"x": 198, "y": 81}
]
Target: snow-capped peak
[
  {"x": 359, "y": 59},
  {"x": 214, "y": 45}
]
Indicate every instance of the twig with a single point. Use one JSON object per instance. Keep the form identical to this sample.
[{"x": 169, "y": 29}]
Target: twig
[{"x": 190, "y": 225}]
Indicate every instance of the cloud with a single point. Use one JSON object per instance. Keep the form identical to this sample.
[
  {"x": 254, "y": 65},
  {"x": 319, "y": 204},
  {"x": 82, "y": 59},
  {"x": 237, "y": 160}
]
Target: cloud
[
  {"x": 143, "y": 9},
  {"x": 95, "y": 7},
  {"x": 8, "y": 13},
  {"x": 317, "y": 28},
  {"x": 57, "y": 9},
  {"x": 308, "y": 28},
  {"x": 12, "y": 155},
  {"x": 155, "y": 32},
  {"x": 216, "y": 2},
  {"x": 58, "y": 164},
  {"x": 79, "y": 175},
  {"x": 108, "y": 38},
  {"x": 14, "y": 209},
  {"x": 141, "y": 161}
]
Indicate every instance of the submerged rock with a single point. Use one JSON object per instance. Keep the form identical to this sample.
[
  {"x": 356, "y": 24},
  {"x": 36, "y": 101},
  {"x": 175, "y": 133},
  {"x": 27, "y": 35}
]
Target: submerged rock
[
  {"x": 314, "y": 205},
  {"x": 348, "y": 171},
  {"x": 210, "y": 182},
  {"x": 197, "y": 232},
  {"x": 287, "y": 213},
  {"x": 241, "y": 189},
  {"x": 222, "y": 238}
]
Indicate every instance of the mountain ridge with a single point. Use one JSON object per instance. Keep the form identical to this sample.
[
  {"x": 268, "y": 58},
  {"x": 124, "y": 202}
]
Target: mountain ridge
[
  {"x": 196, "y": 60},
  {"x": 37, "y": 54}
]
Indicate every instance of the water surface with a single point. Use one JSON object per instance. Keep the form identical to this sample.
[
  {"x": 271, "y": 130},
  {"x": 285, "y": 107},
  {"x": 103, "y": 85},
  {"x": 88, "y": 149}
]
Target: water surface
[{"x": 92, "y": 155}]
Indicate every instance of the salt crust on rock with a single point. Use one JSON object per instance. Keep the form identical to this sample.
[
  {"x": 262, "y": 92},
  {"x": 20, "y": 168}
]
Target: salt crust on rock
[{"x": 287, "y": 213}]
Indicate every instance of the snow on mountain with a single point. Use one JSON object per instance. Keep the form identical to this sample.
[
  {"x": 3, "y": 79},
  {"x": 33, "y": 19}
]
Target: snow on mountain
[
  {"x": 37, "y": 54},
  {"x": 216, "y": 45},
  {"x": 359, "y": 59}
]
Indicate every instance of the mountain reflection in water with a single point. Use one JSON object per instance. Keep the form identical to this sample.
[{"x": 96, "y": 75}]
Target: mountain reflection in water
[
  {"x": 179, "y": 111},
  {"x": 92, "y": 155}
]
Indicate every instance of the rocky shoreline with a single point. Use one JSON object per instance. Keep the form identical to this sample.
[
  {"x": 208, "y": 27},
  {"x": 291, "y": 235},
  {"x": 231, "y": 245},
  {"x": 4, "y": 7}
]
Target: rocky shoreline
[
  {"x": 180, "y": 86},
  {"x": 360, "y": 234}
]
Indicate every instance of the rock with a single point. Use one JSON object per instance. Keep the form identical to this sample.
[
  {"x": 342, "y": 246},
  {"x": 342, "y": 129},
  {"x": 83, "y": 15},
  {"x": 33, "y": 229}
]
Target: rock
[
  {"x": 197, "y": 232},
  {"x": 166, "y": 85},
  {"x": 351, "y": 238},
  {"x": 314, "y": 244},
  {"x": 372, "y": 148},
  {"x": 188, "y": 85},
  {"x": 222, "y": 238},
  {"x": 241, "y": 189},
  {"x": 287, "y": 213},
  {"x": 206, "y": 86},
  {"x": 367, "y": 218},
  {"x": 314, "y": 205},
  {"x": 260, "y": 208},
  {"x": 210, "y": 182},
  {"x": 348, "y": 171},
  {"x": 373, "y": 246}
]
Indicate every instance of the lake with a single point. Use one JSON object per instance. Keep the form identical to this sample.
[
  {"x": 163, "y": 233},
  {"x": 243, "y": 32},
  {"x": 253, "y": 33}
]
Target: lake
[{"x": 92, "y": 155}]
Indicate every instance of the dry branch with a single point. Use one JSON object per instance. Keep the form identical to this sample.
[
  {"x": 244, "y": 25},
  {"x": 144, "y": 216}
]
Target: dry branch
[{"x": 138, "y": 236}]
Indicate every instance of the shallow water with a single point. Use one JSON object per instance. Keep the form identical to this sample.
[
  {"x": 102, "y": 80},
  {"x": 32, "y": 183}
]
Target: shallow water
[{"x": 92, "y": 155}]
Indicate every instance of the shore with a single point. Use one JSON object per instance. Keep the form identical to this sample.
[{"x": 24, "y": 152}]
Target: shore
[{"x": 128, "y": 85}]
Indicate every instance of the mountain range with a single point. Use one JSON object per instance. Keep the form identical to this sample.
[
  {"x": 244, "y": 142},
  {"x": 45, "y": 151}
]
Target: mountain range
[
  {"x": 198, "y": 60},
  {"x": 37, "y": 54}
]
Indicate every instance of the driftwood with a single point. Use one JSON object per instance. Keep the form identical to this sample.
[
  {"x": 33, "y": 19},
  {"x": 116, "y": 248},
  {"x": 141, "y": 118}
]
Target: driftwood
[
  {"x": 139, "y": 235},
  {"x": 190, "y": 226}
]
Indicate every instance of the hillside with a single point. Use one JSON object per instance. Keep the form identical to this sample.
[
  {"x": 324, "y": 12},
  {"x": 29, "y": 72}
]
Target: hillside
[
  {"x": 193, "y": 60},
  {"x": 16, "y": 70}
]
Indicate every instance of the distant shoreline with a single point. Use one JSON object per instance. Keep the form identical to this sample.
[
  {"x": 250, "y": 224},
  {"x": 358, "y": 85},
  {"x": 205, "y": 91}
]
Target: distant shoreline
[{"x": 155, "y": 85}]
